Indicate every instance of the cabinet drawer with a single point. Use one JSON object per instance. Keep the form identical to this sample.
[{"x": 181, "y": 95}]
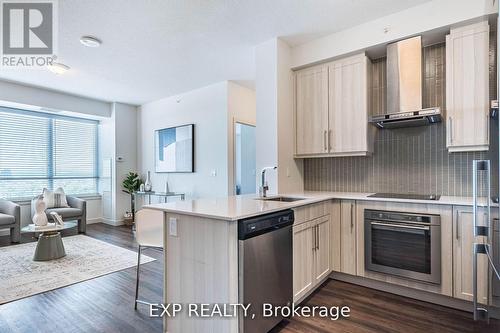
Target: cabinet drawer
[{"x": 311, "y": 212}]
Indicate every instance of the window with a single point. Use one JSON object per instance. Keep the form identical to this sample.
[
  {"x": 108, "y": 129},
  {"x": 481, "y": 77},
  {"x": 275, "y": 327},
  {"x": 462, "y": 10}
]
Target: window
[{"x": 40, "y": 150}]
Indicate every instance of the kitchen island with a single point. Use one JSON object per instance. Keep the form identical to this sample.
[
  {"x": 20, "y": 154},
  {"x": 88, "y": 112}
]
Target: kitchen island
[
  {"x": 201, "y": 255},
  {"x": 201, "y": 248}
]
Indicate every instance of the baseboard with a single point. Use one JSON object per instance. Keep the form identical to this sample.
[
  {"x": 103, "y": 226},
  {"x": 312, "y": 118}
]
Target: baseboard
[
  {"x": 95, "y": 220},
  {"x": 112, "y": 222},
  {"x": 411, "y": 293}
]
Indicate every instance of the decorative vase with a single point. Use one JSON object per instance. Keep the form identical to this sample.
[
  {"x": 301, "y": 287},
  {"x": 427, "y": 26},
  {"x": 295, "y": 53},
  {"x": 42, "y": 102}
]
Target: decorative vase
[
  {"x": 40, "y": 218},
  {"x": 147, "y": 185},
  {"x": 141, "y": 188}
]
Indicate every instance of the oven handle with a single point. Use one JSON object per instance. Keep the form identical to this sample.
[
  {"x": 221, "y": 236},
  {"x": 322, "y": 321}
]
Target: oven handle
[{"x": 397, "y": 226}]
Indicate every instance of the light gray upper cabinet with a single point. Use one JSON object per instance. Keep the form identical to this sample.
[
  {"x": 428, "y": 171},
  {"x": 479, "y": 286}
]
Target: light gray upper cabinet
[
  {"x": 311, "y": 116},
  {"x": 331, "y": 110},
  {"x": 348, "y": 106},
  {"x": 467, "y": 88}
]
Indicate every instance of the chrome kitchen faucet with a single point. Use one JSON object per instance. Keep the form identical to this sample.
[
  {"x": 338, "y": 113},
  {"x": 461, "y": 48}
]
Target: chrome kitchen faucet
[{"x": 264, "y": 187}]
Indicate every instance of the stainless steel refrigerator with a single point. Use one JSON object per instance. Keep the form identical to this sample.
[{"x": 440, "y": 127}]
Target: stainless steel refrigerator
[
  {"x": 486, "y": 247},
  {"x": 486, "y": 231}
]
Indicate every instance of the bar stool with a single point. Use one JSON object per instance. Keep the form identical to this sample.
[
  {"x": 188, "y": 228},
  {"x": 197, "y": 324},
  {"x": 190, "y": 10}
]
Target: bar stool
[{"x": 149, "y": 235}]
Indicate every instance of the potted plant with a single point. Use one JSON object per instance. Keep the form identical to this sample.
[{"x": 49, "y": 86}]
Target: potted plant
[{"x": 131, "y": 184}]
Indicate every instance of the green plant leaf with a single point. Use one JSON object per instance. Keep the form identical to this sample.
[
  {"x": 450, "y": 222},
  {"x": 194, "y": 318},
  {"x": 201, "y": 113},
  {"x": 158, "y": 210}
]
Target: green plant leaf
[{"x": 131, "y": 183}]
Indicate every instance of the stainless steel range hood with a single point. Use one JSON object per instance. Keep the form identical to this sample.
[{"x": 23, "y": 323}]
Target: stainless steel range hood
[
  {"x": 407, "y": 119},
  {"x": 404, "y": 88}
]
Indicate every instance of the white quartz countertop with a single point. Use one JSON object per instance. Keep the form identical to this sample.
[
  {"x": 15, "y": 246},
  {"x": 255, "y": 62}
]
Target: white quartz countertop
[{"x": 233, "y": 208}]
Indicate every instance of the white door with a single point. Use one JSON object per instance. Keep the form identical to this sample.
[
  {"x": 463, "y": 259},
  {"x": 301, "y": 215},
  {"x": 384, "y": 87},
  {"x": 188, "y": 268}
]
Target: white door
[{"x": 245, "y": 158}]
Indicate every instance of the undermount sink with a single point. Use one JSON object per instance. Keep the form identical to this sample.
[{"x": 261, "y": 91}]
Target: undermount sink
[{"x": 283, "y": 199}]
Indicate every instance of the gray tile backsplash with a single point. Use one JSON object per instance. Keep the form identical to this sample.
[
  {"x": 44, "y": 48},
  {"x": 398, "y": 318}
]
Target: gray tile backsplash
[{"x": 408, "y": 160}]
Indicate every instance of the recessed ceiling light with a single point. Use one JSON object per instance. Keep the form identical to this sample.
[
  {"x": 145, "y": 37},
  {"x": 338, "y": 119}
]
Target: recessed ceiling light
[
  {"x": 90, "y": 41},
  {"x": 58, "y": 68}
]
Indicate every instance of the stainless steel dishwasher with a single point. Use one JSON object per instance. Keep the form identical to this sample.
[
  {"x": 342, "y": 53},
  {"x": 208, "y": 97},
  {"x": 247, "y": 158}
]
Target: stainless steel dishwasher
[{"x": 265, "y": 267}]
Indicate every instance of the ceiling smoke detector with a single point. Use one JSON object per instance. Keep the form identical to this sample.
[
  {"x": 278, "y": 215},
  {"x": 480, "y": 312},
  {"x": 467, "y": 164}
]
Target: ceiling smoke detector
[
  {"x": 58, "y": 68},
  {"x": 90, "y": 41}
]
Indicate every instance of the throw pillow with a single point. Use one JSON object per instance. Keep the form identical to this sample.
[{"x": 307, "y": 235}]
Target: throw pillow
[{"x": 55, "y": 199}]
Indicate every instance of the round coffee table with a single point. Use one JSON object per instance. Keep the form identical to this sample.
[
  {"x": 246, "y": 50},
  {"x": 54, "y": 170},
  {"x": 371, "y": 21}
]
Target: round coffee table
[{"x": 50, "y": 245}]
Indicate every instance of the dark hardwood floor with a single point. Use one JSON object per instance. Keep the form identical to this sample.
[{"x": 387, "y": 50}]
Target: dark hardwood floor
[
  {"x": 374, "y": 311},
  {"x": 105, "y": 304}
]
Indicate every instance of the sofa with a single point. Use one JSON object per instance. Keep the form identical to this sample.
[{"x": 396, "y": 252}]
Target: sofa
[
  {"x": 10, "y": 217},
  {"x": 77, "y": 210}
]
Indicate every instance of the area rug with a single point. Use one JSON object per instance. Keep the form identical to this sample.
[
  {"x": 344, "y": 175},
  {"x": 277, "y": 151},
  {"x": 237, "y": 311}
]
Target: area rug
[{"x": 86, "y": 258}]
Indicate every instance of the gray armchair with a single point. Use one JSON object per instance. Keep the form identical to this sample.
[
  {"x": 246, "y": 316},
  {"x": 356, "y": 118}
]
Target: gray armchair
[
  {"x": 77, "y": 210},
  {"x": 10, "y": 217}
]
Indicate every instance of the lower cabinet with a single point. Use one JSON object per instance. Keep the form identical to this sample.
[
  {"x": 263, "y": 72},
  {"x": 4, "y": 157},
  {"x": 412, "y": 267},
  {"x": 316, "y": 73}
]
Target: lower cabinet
[
  {"x": 311, "y": 255},
  {"x": 335, "y": 236},
  {"x": 348, "y": 237},
  {"x": 302, "y": 259},
  {"x": 321, "y": 252},
  {"x": 334, "y": 242},
  {"x": 463, "y": 240}
]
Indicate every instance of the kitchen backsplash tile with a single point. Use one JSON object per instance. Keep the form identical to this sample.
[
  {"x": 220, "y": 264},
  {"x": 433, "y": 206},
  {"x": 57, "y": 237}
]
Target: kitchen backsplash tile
[{"x": 408, "y": 160}]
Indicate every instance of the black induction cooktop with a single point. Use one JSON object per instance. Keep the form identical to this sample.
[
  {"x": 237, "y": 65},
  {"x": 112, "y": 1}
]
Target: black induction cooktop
[{"x": 409, "y": 196}]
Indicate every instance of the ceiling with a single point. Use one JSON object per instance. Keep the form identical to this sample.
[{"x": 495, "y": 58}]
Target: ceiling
[{"x": 156, "y": 48}]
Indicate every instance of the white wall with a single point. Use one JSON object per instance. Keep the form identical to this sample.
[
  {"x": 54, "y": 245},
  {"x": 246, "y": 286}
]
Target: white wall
[
  {"x": 107, "y": 168},
  {"x": 290, "y": 173},
  {"x": 207, "y": 109},
  {"x": 49, "y": 99},
  {"x": 275, "y": 138},
  {"x": 241, "y": 108},
  {"x": 413, "y": 21},
  {"x": 126, "y": 148},
  {"x": 241, "y": 103},
  {"x": 117, "y": 138},
  {"x": 266, "y": 63}
]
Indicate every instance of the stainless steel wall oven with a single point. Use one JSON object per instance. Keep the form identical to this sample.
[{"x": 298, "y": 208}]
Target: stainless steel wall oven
[{"x": 403, "y": 244}]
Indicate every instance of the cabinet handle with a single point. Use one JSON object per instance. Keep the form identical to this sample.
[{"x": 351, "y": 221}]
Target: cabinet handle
[
  {"x": 352, "y": 217},
  {"x": 317, "y": 237},
  {"x": 457, "y": 236},
  {"x": 314, "y": 238},
  {"x": 330, "y": 140},
  {"x": 487, "y": 127},
  {"x": 450, "y": 121},
  {"x": 324, "y": 141}
]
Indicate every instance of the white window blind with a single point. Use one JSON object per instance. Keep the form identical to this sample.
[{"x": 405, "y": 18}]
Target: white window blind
[{"x": 40, "y": 150}]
